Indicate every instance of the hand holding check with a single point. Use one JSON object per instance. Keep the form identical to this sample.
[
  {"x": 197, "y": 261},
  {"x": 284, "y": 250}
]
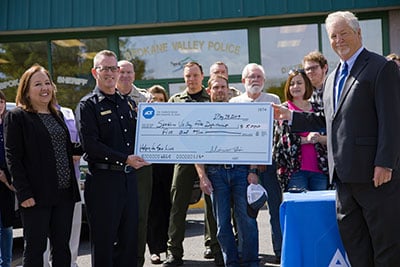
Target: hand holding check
[{"x": 136, "y": 162}]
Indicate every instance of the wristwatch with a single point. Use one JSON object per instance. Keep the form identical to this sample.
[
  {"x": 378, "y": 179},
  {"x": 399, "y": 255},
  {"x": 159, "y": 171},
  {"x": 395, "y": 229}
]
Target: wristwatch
[{"x": 253, "y": 170}]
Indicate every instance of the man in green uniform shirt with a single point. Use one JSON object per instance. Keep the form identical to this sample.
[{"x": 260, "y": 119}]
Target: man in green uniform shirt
[{"x": 184, "y": 174}]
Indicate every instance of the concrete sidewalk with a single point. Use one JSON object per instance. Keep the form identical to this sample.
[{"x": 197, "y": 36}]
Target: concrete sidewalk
[
  {"x": 194, "y": 239},
  {"x": 193, "y": 243}
]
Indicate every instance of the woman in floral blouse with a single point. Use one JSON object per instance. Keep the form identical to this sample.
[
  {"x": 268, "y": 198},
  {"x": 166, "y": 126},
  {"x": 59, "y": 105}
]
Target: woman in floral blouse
[{"x": 301, "y": 157}]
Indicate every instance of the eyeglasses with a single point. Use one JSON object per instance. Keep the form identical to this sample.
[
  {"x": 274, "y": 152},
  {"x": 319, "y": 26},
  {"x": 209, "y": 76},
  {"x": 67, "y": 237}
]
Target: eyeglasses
[
  {"x": 295, "y": 72},
  {"x": 312, "y": 68},
  {"x": 107, "y": 68}
]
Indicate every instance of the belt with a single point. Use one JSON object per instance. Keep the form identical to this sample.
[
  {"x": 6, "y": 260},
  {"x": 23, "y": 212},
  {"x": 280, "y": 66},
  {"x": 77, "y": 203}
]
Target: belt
[
  {"x": 227, "y": 166},
  {"x": 112, "y": 167}
]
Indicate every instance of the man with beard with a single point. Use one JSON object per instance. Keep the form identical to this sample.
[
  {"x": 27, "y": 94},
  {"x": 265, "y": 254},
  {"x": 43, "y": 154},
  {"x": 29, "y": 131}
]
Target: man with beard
[
  {"x": 227, "y": 186},
  {"x": 253, "y": 78}
]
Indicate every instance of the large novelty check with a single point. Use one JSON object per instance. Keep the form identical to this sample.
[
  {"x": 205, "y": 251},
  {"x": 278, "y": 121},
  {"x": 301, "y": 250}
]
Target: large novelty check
[{"x": 208, "y": 133}]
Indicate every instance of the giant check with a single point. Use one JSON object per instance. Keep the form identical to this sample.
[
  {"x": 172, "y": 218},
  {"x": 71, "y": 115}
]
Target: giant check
[{"x": 208, "y": 133}]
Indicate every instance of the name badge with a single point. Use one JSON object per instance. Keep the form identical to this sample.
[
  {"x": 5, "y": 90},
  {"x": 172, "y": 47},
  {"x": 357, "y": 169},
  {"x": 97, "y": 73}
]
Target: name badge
[{"x": 106, "y": 112}]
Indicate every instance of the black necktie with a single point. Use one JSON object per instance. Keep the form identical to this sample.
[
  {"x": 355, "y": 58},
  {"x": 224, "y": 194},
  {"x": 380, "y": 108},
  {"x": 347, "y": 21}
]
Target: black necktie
[{"x": 344, "y": 71}]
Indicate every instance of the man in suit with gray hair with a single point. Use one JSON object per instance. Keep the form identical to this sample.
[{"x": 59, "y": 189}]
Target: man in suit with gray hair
[{"x": 361, "y": 106}]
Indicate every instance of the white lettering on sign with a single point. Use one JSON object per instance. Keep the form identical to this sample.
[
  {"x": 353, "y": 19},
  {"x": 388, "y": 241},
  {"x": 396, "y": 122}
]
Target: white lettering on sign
[
  {"x": 71, "y": 80},
  {"x": 7, "y": 84},
  {"x": 224, "y": 47},
  {"x": 182, "y": 46},
  {"x": 196, "y": 45},
  {"x": 146, "y": 51}
]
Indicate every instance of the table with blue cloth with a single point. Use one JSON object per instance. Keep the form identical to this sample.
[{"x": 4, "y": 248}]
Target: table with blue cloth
[{"x": 310, "y": 232}]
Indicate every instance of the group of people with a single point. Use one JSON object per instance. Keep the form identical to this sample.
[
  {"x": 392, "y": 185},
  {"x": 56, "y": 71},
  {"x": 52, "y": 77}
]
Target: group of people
[{"x": 345, "y": 120}]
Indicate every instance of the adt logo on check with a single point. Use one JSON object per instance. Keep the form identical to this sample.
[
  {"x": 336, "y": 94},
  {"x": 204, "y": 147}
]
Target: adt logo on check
[{"x": 148, "y": 113}]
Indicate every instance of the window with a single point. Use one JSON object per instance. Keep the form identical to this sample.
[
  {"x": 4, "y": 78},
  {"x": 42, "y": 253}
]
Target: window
[
  {"x": 72, "y": 63},
  {"x": 163, "y": 56},
  {"x": 15, "y": 59},
  {"x": 283, "y": 48}
]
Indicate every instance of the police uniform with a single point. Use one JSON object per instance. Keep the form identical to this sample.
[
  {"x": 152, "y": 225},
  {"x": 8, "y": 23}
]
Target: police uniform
[
  {"x": 181, "y": 189},
  {"x": 107, "y": 126},
  {"x": 139, "y": 94}
]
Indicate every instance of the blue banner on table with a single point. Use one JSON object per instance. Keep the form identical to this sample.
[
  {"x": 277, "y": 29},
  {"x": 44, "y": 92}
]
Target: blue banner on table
[
  {"x": 310, "y": 235},
  {"x": 207, "y": 133}
]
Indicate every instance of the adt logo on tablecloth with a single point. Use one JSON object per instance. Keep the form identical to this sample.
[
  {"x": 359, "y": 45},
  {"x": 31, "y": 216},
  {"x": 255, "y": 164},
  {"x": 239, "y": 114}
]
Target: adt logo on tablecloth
[
  {"x": 148, "y": 113},
  {"x": 338, "y": 260},
  {"x": 333, "y": 253}
]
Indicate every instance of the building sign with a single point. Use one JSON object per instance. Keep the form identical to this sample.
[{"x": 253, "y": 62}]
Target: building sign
[{"x": 165, "y": 55}]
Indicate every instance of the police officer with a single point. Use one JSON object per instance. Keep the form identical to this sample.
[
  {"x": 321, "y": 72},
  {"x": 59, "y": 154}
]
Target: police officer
[{"x": 106, "y": 123}]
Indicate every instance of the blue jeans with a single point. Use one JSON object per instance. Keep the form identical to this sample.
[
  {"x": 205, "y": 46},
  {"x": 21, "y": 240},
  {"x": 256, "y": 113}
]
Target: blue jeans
[
  {"x": 308, "y": 180},
  {"x": 6, "y": 237},
  {"x": 231, "y": 185},
  {"x": 270, "y": 182}
]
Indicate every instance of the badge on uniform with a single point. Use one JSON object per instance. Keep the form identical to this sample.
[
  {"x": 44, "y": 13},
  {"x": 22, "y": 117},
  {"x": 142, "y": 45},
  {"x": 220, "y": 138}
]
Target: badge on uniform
[{"x": 105, "y": 112}]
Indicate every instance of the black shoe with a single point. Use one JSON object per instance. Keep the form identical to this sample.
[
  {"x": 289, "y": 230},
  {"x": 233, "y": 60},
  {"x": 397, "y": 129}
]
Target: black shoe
[
  {"x": 219, "y": 259},
  {"x": 208, "y": 254},
  {"x": 172, "y": 261}
]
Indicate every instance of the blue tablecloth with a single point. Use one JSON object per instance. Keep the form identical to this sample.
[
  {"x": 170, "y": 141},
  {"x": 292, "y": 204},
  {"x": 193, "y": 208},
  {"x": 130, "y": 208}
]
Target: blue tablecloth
[{"x": 310, "y": 232}]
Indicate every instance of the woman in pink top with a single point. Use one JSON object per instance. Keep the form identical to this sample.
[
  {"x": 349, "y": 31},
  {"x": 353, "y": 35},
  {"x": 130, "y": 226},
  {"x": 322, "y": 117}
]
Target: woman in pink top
[{"x": 301, "y": 157}]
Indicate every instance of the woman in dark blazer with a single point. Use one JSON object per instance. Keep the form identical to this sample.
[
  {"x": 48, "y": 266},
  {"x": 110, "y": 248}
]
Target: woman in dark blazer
[{"x": 39, "y": 156}]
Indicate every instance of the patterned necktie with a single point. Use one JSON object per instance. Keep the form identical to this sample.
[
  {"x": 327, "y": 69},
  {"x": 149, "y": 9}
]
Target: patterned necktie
[{"x": 344, "y": 71}]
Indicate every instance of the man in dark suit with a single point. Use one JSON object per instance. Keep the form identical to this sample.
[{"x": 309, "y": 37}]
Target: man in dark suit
[{"x": 363, "y": 130}]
